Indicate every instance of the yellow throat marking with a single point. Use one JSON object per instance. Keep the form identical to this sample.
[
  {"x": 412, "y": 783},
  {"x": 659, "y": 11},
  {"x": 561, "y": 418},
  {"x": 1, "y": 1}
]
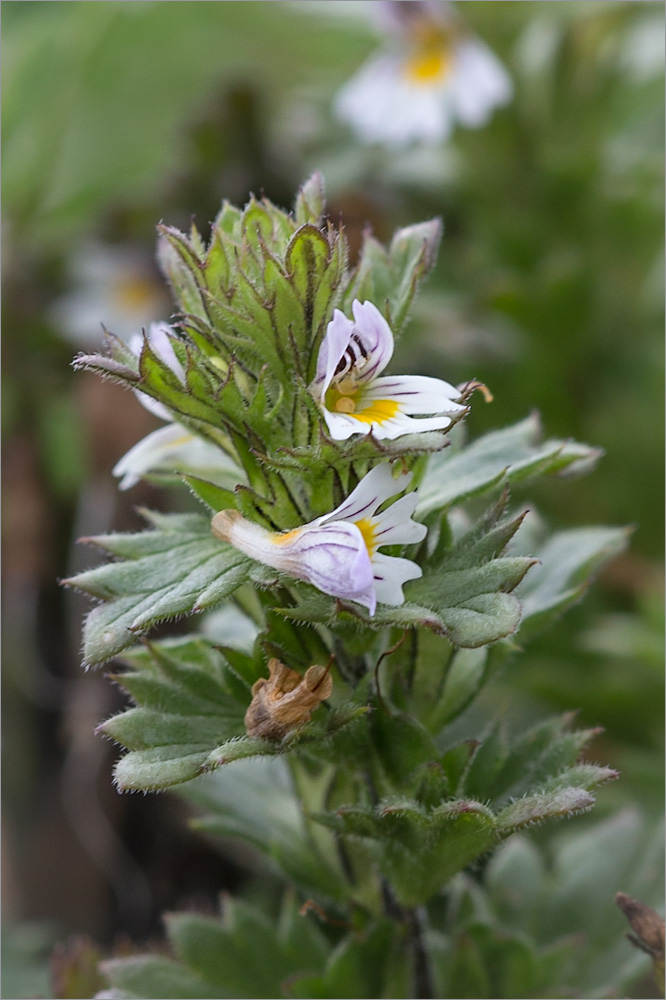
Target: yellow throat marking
[
  {"x": 284, "y": 537},
  {"x": 367, "y": 527},
  {"x": 347, "y": 397}
]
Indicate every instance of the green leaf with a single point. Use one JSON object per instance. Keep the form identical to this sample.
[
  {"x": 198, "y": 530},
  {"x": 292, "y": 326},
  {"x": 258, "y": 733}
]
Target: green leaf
[
  {"x": 485, "y": 764},
  {"x": 183, "y": 269},
  {"x": 467, "y": 975},
  {"x": 509, "y": 455},
  {"x": 475, "y": 621},
  {"x": 471, "y": 607},
  {"x": 389, "y": 278},
  {"x": 358, "y": 966},
  {"x": 371, "y": 278},
  {"x": 402, "y": 744},
  {"x": 568, "y": 562},
  {"x": 160, "y": 767},
  {"x": 142, "y": 728},
  {"x": 455, "y": 762},
  {"x": 240, "y": 952},
  {"x": 215, "y": 497},
  {"x": 460, "y": 831},
  {"x": 412, "y": 253},
  {"x": 155, "y": 978},
  {"x": 503, "y": 770},
  {"x": 255, "y": 802},
  {"x": 464, "y": 679},
  {"x": 489, "y": 961},
  {"x": 306, "y": 259},
  {"x": 419, "y": 849},
  {"x": 174, "y": 569},
  {"x": 586, "y": 776},
  {"x": 538, "y": 755},
  {"x": 534, "y": 809}
]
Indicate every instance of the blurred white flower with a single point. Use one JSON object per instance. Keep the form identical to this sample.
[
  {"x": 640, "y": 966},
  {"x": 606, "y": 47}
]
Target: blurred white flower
[
  {"x": 355, "y": 399},
  {"x": 434, "y": 74},
  {"x": 172, "y": 448},
  {"x": 337, "y": 553},
  {"x": 114, "y": 287}
]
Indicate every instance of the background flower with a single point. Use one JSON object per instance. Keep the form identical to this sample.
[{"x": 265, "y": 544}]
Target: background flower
[
  {"x": 115, "y": 287},
  {"x": 174, "y": 448},
  {"x": 436, "y": 74}
]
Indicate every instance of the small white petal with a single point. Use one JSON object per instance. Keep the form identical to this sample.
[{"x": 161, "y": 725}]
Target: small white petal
[
  {"x": 376, "y": 337},
  {"x": 334, "y": 558},
  {"x": 342, "y": 425},
  {"x": 366, "y": 100},
  {"x": 113, "y": 287},
  {"x": 394, "y": 526},
  {"x": 153, "y": 406},
  {"x": 375, "y": 487},
  {"x": 390, "y": 574},
  {"x": 331, "y": 552},
  {"x": 416, "y": 394},
  {"x": 174, "y": 449},
  {"x": 332, "y": 350},
  {"x": 479, "y": 84},
  {"x": 401, "y": 424}
]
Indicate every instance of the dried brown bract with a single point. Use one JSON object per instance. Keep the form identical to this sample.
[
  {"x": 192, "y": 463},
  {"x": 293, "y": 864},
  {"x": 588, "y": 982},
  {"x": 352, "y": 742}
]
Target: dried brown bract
[
  {"x": 648, "y": 928},
  {"x": 284, "y": 700}
]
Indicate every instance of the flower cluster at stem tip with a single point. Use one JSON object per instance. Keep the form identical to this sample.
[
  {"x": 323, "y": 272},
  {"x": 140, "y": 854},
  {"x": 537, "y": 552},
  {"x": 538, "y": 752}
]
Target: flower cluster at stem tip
[{"x": 338, "y": 552}]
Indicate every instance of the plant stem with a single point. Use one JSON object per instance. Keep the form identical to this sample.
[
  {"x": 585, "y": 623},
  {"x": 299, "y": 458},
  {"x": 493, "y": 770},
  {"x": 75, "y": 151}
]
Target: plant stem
[
  {"x": 413, "y": 920},
  {"x": 423, "y": 984}
]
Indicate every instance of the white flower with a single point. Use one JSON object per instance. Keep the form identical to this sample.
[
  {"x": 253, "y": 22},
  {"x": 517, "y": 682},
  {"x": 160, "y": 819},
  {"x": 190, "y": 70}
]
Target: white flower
[
  {"x": 337, "y": 553},
  {"x": 174, "y": 447},
  {"x": 352, "y": 396},
  {"x": 114, "y": 286},
  {"x": 436, "y": 74}
]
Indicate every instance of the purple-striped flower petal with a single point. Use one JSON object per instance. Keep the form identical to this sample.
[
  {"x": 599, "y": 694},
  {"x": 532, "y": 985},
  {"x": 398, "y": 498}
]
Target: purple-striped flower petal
[
  {"x": 355, "y": 398},
  {"x": 337, "y": 553}
]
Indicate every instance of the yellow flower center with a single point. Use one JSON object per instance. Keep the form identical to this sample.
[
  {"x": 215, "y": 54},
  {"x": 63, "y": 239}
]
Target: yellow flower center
[
  {"x": 367, "y": 527},
  {"x": 134, "y": 293},
  {"x": 431, "y": 58},
  {"x": 346, "y": 396}
]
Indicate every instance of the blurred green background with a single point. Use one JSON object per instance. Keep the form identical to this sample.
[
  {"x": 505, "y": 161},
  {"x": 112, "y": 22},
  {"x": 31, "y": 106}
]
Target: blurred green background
[{"x": 548, "y": 287}]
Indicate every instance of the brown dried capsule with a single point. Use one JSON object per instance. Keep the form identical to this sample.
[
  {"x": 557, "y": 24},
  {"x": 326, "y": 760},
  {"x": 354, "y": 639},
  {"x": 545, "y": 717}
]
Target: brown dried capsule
[{"x": 284, "y": 700}]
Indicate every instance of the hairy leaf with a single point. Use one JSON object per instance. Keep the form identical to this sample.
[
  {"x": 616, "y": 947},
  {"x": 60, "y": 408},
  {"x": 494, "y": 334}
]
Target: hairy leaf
[
  {"x": 174, "y": 569},
  {"x": 509, "y": 455}
]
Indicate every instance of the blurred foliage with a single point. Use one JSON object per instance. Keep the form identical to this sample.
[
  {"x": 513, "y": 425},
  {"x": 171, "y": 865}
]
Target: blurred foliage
[
  {"x": 549, "y": 286},
  {"x": 25, "y": 958}
]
